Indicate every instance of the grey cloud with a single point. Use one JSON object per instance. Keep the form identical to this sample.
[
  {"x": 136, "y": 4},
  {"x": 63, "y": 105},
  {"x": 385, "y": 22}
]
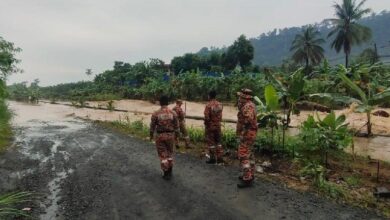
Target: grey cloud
[{"x": 61, "y": 38}]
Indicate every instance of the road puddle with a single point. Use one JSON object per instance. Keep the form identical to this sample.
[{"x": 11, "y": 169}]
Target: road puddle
[{"x": 51, "y": 209}]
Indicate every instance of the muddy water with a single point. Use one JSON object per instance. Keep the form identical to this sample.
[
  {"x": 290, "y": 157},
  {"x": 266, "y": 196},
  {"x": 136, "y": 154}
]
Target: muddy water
[
  {"x": 39, "y": 137},
  {"x": 377, "y": 147}
]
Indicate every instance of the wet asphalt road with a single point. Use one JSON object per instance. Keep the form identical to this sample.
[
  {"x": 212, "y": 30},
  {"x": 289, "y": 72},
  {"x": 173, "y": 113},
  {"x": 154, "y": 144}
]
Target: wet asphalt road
[{"x": 85, "y": 171}]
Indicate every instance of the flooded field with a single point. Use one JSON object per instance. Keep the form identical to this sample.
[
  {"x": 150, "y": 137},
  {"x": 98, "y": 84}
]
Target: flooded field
[{"x": 377, "y": 147}]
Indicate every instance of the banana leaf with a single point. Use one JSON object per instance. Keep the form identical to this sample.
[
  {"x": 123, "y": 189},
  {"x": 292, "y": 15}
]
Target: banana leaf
[
  {"x": 336, "y": 98},
  {"x": 364, "y": 108},
  {"x": 258, "y": 101},
  {"x": 352, "y": 85},
  {"x": 380, "y": 97},
  {"x": 276, "y": 81},
  {"x": 296, "y": 86},
  {"x": 271, "y": 98}
]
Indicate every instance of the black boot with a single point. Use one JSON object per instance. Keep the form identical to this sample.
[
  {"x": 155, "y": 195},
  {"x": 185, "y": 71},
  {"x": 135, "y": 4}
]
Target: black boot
[
  {"x": 220, "y": 160},
  {"x": 245, "y": 183},
  {"x": 211, "y": 161},
  {"x": 167, "y": 175}
]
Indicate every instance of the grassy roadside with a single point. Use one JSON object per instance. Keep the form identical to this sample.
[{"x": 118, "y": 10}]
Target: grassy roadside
[
  {"x": 5, "y": 126},
  {"x": 348, "y": 179}
]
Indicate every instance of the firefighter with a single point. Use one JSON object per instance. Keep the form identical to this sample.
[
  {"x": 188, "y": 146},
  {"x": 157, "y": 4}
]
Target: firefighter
[
  {"x": 164, "y": 127},
  {"x": 246, "y": 132},
  {"x": 182, "y": 124},
  {"x": 212, "y": 122}
]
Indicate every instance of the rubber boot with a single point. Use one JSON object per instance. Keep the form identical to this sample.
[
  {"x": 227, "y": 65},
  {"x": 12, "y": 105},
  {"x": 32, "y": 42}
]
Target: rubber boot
[
  {"x": 210, "y": 159},
  {"x": 167, "y": 174},
  {"x": 245, "y": 183},
  {"x": 187, "y": 143}
]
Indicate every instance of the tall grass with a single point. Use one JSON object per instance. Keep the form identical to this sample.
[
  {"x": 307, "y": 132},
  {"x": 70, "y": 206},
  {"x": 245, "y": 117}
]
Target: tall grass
[
  {"x": 137, "y": 128},
  {"x": 9, "y": 201},
  {"x": 196, "y": 134}
]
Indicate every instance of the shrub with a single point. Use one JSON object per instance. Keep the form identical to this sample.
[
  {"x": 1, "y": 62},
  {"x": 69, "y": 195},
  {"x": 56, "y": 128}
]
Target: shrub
[{"x": 322, "y": 135}]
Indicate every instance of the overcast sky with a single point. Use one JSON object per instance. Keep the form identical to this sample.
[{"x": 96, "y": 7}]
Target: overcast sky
[{"x": 62, "y": 38}]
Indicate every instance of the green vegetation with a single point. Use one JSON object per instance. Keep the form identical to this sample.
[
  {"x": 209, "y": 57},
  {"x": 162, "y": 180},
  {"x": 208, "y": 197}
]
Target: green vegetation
[
  {"x": 5, "y": 128},
  {"x": 240, "y": 53},
  {"x": 9, "y": 201},
  {"x": 8, "y": 66},
  {"x": 22, "y": 92},
  {"x": 322, "y": 136}
]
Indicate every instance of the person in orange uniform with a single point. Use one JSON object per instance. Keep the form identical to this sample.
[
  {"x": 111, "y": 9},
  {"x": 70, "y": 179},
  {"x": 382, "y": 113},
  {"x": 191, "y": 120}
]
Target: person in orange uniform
[
  {"x": 182, "y": 124},
  {"x": 246, "y": 131},
  {"x": 212, "y": 122},
  {"x": 164, "y": 127}
]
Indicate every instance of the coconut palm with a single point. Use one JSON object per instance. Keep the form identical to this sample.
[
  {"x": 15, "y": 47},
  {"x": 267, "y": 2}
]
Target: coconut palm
[
  {"x": 306, "y": 47},
  {"x": 346, "y": 30}
]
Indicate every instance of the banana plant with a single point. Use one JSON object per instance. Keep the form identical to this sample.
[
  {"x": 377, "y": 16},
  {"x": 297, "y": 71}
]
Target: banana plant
[
  {"x": 366, "y": 100},
  {"x": 267, "y": 113},
  {"x": 291, "y": 92},
  {"x": 323, "y": 135}
]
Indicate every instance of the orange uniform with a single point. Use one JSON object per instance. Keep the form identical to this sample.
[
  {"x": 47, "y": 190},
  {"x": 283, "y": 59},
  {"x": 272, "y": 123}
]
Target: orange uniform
[
  {"x": 212, "y": 122},
  {"x": 246, "y": 131},
  {"x": 165, "y": 124},
  {"x": 182, "y": 125}
]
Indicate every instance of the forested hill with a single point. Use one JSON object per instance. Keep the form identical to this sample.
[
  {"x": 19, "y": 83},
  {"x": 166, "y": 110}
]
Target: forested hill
[{"x": 273, "y": 47}]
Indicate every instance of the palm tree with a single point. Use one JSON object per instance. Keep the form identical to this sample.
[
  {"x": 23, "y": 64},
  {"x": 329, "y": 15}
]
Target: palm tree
[
  {"x": 306, "y": 47},
  {"x": 88, "y": 72},
  {"x": 346, "y": 30}
]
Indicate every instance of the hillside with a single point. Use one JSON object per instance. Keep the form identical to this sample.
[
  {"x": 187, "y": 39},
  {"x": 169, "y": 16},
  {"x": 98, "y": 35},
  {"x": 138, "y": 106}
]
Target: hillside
[{"x": 273, "y": 47}]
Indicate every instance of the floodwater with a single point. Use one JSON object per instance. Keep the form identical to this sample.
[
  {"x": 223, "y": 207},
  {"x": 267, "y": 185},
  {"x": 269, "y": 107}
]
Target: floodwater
[
  {"x": 377, "y": 147},
  {"x": 40, "y": 132}
]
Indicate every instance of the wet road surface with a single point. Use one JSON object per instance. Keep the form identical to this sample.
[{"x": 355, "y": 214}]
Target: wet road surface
[{"x": 88, "y": 172}]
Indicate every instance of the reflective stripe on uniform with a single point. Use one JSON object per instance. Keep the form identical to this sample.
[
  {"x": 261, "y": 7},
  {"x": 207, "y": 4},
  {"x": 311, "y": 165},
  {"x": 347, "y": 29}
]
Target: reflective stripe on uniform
[{"x": 246, "y": 165}]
